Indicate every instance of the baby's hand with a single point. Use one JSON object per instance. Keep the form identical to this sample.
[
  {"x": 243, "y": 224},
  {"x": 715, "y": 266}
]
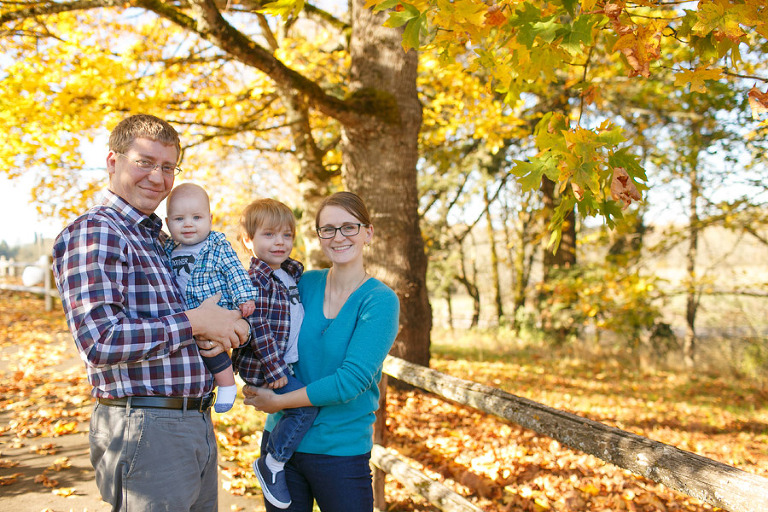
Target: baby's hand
[
  {"x": 247, "y": 308},
  {"x": 278, "y": 383}
]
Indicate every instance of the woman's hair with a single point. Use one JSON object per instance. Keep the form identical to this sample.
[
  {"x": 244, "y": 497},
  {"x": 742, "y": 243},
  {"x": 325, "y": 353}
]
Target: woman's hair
[
  {"x": 143, "y": 126},
  {"x": 267, "y": 213},
  {"x": 349, "y": 202}
]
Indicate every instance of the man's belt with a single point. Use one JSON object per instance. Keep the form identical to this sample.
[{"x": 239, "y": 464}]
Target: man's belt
[{"x": 201, "y": 404}]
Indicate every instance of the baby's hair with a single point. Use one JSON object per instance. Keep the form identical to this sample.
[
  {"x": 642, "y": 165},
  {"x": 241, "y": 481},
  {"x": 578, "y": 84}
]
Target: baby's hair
[
  {"x": 187, "y": 190},
  {"x": 266, "y": 213}
]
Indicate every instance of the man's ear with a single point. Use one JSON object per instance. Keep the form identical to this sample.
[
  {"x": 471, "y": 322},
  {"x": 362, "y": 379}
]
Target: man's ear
[{"x": 111, "y": 162}]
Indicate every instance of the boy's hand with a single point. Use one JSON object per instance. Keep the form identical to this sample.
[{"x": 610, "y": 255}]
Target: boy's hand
[
  {"x": 247, "y": 308},
  {"x": 278, "y": 383}
]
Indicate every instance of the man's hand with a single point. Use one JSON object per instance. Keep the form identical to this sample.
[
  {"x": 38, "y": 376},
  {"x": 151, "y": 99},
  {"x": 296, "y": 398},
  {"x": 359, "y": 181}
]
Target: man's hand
[{"x": 214, "y": 323}]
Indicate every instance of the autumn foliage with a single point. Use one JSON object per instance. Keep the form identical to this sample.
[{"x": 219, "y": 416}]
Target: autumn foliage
[{"x": 497, "y": 465}]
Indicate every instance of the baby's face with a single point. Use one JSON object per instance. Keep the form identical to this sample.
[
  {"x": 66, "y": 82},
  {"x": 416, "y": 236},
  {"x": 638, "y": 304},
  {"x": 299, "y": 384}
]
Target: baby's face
[{"x": 189, "y": 220}]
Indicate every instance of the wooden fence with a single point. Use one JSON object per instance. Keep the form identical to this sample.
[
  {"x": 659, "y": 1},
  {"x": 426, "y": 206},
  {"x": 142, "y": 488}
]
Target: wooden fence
[
  {"x": 11, "y": 268},
  {"x": 705, "y": 479}
]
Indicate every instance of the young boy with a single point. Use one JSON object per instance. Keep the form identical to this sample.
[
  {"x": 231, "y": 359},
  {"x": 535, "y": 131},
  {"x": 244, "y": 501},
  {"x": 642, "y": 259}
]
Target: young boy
[
  {"x": 269, "y": 229},
  {"x": 205, "y": 264}
]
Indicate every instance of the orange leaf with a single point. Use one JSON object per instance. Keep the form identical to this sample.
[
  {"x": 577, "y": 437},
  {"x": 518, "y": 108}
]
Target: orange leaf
[
  {"x": 10, "y": 479},
  {"x": 758, "y": 102},
  {"x": 494, "y": 17}
]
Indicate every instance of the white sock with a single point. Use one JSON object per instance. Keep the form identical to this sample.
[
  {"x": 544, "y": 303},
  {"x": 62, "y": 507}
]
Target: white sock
[
  {"x": 274, "y": 465},
  {"x": 225, "y": 397}
]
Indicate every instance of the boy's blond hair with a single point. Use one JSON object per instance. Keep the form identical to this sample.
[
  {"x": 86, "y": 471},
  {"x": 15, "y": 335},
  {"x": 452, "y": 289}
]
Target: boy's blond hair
[{"x": 268, "y": 213}]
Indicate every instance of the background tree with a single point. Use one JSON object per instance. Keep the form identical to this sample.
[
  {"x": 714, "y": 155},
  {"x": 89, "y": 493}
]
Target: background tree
[{"x": 223, "y": 72}]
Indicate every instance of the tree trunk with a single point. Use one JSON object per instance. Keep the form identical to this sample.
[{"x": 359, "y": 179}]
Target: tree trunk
[
  {"x": 494, "y": 259},
  {"x": 379, "y": 157},
  {"x": 692, "y": 301},
  {"x": 470, "y": 286}
]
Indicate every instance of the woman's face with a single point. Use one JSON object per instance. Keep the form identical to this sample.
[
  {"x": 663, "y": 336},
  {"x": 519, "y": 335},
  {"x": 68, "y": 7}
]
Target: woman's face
[{"x": 343, "y": 249}]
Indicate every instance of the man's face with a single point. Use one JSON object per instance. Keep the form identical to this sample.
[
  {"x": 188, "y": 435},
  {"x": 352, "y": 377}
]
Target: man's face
[{"x": 144, "y": 190}]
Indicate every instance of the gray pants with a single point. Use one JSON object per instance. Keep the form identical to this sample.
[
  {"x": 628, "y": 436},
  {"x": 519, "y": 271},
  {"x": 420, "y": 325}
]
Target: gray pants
[{"x": 154, "y": 459}]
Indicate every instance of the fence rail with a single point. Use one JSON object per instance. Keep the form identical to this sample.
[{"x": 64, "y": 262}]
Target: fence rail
[
  {"x": 8, "y": 268},
  {"x": 710, "y": 481}
]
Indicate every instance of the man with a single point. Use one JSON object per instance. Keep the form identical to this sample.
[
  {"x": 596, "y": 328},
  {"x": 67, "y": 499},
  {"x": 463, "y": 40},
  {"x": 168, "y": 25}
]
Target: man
[{"x": 151, "y": 439}]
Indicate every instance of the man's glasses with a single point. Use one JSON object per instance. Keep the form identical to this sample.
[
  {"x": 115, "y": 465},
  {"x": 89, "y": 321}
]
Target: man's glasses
[
  {"x": 327, "y": 232},
  {"x": 149, "y": 166}
]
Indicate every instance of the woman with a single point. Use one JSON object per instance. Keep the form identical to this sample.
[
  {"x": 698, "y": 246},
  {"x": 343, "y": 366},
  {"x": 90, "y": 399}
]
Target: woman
[{"x": 350, "y": 323}]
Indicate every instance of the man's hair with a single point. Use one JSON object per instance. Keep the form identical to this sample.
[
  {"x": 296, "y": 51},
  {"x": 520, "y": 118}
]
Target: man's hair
[
  {"x": 266, "y": 213},
  {"x": 348, "y": 201},
  {"x": 143, "y": 126}
]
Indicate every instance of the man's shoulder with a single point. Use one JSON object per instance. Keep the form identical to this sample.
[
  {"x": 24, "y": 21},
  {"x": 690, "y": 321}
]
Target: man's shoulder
[{"x": 95, "y": 216}]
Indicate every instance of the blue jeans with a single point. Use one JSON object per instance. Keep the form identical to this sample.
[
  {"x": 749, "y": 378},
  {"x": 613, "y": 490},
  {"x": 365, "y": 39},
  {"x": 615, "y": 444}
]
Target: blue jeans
[
  {"x": 292, "y": 426},
  {"x": 337, "y": 483}
]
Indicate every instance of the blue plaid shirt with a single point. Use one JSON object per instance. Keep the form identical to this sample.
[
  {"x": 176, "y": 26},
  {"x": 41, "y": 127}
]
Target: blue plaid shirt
[
  {"x": 262, "y": 361},
  {"x": 123, "y": 306},
  {"x": 217, "y": 270}
]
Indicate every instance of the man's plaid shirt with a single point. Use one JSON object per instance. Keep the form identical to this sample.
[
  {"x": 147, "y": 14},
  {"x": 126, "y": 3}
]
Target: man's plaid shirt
[
  {"x": 262, "y": 361},
  {"x": 217, "y": 270},
  {"x": 124, "y": 307}
]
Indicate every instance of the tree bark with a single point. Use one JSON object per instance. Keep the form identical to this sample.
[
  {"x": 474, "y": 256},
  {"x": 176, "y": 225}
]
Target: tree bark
[{"x": 379, "y": 155}]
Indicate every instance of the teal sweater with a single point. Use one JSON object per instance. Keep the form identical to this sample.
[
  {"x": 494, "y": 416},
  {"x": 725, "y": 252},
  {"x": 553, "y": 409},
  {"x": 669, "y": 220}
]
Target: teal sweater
[{"x": 340, "y": 362}]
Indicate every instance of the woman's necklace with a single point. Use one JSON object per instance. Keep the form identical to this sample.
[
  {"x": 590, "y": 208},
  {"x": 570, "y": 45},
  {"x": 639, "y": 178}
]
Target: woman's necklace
[{"x": 342, "y": 294}]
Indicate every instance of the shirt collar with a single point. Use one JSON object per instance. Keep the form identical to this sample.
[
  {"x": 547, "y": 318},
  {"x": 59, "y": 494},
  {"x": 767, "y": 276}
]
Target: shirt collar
[{"x": 117, "y": 203}]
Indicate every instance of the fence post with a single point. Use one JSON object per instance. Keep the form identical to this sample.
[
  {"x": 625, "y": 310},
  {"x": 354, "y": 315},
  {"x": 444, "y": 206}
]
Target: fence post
[
  {"x": 379, "y": 437},
  {"x": 47, "y": 280},
  {"x": 3, "y": 266}
]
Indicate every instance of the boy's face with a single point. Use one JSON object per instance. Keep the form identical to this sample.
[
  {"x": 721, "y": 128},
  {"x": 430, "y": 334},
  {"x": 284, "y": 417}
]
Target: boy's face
[
  {"x": 189, "y": 219},
  {"x": 271, "y": 245}
]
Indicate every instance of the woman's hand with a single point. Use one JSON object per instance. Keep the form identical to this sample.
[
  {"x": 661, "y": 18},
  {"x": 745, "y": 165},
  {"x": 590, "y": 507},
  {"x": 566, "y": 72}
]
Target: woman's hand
[{"x": 263, "y": 399}]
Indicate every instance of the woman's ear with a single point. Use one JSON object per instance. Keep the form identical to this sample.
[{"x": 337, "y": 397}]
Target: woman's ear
[{"x": 369, "y": 235}]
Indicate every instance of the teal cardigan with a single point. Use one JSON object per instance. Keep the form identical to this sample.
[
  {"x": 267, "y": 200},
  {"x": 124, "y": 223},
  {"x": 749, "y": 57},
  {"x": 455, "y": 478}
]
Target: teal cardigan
[{"x": 340, "y": 362}]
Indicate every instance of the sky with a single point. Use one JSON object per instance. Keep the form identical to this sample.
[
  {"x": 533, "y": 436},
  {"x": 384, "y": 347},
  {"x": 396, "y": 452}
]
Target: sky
[{"x": 20, "y": 220}]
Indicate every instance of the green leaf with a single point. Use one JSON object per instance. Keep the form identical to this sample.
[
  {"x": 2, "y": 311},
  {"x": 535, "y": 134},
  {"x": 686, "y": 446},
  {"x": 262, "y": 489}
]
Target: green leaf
[
  {"x": 400, "y": 18},
  {"x": 386, "y": 4},
  {"x": 629, "y": 162},
  {"x": 530, "y": 172},
  {"x": 412, "y": 32},
  {"x": 578, "y": 35}
]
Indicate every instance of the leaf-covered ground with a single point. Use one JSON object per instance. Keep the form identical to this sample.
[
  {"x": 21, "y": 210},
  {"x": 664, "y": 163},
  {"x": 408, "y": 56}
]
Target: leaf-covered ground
[{"x": 495, "y": 464}]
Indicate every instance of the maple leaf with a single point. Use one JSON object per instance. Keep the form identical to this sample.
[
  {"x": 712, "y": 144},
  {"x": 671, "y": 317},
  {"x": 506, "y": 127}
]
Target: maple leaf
[
  {"x": 697, "y": 78},
  {"x": 623, "y": 188},
  {"x": 64, "y": 491},
  {"x": 758, "y": 102},
  {"x": 494, "y": 17}
]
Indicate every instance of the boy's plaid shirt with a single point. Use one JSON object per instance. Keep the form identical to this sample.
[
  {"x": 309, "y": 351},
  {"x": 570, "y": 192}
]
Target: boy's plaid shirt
[{"x": 262, "y": 360}]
